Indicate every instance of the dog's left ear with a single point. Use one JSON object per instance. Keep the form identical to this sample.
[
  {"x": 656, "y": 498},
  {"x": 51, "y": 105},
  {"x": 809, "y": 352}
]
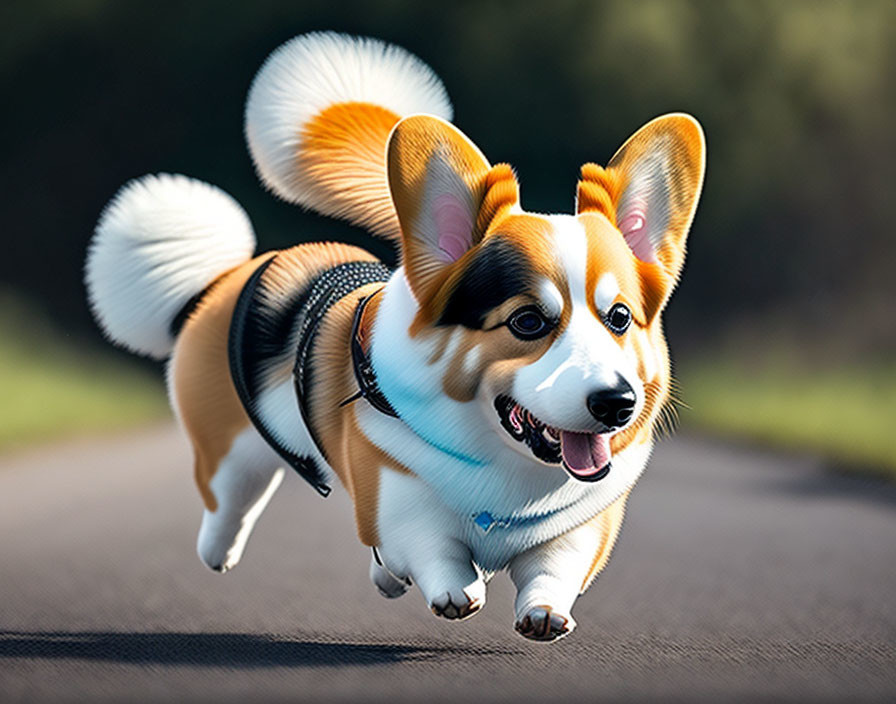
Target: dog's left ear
[
  {"x": 650, "y": 189},
  {"x": 446, "y": 195}
]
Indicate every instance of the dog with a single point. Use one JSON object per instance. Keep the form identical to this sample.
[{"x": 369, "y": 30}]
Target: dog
[{"x": 487, "y": 405}]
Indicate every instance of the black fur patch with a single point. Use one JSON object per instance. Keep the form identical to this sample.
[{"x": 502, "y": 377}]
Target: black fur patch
[
  {"x": 498, "y": 272},
  {"x": 179, "y": 320}
]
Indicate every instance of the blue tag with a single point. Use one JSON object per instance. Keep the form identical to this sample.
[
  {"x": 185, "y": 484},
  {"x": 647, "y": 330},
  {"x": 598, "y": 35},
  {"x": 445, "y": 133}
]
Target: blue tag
[{"x": 484, "y": 520}]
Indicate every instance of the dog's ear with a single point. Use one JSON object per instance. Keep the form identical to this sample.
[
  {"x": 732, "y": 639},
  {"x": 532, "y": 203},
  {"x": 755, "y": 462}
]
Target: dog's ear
[
  {"x": 446, "y": 195},
  {"x": 650, "y": 188}
]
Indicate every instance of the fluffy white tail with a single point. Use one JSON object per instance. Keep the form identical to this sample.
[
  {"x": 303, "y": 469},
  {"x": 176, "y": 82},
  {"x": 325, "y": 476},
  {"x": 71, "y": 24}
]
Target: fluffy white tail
[
  {"x": 160, "y": 241},
  {"x": 318, "y": 117}
]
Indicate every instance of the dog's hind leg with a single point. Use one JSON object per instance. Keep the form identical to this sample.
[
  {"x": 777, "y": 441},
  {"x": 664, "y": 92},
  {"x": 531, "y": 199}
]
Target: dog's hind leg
[
  {"x": 245, "y": 480},
  {"x": 386, "y": 583}
]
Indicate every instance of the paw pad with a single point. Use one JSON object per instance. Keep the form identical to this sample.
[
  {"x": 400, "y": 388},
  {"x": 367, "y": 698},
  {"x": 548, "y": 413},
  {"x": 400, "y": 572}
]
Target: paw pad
[
  {"x": 542, "y": 624},
  {"x": 448, "y": 607}
]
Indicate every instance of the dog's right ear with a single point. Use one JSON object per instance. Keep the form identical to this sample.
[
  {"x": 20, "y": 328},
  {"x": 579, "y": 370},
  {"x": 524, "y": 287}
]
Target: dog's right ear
[{"x": 446, "y": 195}]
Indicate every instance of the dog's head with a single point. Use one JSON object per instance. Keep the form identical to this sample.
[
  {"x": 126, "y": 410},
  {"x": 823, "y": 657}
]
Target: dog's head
[{"x": 550, "y": 324}]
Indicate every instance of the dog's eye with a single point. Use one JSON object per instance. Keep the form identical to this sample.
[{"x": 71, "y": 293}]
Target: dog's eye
[
  {"x": 619, "y": 318},
  {"x": 528, "y": 324}
]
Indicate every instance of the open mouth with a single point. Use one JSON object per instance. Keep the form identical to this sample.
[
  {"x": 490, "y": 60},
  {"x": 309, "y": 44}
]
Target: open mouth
[{"x": 586, "y": 456}]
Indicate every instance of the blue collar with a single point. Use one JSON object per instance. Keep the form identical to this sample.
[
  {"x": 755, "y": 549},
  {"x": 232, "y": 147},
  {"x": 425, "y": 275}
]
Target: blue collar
[{"x": 485, "y": 521}]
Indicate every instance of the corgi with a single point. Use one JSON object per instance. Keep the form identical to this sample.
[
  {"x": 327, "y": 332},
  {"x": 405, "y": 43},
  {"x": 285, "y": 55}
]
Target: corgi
[{"x": 487, "y": 405}]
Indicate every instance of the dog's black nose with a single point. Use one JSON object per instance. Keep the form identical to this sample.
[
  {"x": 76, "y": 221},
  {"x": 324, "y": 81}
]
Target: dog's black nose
[{"x": 613, "y": 407}]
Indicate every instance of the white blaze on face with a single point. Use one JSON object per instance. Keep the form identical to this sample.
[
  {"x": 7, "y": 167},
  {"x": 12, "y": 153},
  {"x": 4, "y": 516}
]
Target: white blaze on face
[
  {"x": 606, "y": 291},
  {"x": 550, "y": 298},
  {"x": 586, "y": 357}
]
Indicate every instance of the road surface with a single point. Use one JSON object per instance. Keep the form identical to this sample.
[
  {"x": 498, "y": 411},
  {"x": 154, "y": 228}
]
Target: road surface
[{"x": 739, "y": 575}]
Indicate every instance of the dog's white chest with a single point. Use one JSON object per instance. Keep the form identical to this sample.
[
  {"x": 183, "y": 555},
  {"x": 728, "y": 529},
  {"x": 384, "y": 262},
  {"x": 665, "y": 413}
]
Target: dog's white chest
[{"x": 498, "y": 510}]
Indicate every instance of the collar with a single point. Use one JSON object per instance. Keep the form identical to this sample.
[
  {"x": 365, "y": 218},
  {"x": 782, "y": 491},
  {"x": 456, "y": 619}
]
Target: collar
[
  {"x": 365, "y": 376},
  {"x": 485, "y": 521}
]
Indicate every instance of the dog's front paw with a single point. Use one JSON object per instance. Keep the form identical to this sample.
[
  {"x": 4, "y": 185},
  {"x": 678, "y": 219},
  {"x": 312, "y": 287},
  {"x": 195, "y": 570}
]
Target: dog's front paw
[
  {"x": 456, "y": 607},
  {"x": 542, "y": 623}
]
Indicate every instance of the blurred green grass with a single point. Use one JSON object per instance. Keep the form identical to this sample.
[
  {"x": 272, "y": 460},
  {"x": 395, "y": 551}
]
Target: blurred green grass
[
  {"x": 54, "y": 388},
  {"x": 844, "y": 412}
]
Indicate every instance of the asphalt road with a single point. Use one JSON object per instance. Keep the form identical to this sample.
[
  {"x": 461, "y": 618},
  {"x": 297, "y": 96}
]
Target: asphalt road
[{"x": 739, "y": 574}]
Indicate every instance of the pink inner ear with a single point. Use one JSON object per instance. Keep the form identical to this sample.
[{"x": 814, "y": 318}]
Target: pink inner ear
[
  {"x": 633, "y": 226},
  {"x": 454, "y": 224}
]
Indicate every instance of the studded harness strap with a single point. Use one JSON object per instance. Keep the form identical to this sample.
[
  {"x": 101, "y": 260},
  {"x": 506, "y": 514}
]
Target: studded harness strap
[{"x": 330, "y": 287}]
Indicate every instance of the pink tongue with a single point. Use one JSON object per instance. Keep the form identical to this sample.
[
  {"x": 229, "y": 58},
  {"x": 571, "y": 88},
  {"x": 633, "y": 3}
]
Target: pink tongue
[{"x": 584, "y": 453}]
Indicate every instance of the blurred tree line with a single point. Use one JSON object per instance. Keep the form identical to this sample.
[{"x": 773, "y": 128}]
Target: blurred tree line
[{"x": 797, "y": 99}]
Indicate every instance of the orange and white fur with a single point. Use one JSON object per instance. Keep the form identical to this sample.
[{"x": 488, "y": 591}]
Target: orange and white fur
[{"x": 522, "y": 353}]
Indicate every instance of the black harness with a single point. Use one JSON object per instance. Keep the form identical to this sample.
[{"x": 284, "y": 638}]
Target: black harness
[
  {"x": 262, "y": 329},
  {"x": 330, "y": 287},
  {"x": 365, "y": 377}
]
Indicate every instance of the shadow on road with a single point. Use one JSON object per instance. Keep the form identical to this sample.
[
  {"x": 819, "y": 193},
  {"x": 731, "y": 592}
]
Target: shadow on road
[{"x": 233, "y": 650}]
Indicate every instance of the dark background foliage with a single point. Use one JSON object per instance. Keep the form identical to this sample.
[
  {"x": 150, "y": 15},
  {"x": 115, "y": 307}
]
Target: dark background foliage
[{"x": 792, "y": 240}]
